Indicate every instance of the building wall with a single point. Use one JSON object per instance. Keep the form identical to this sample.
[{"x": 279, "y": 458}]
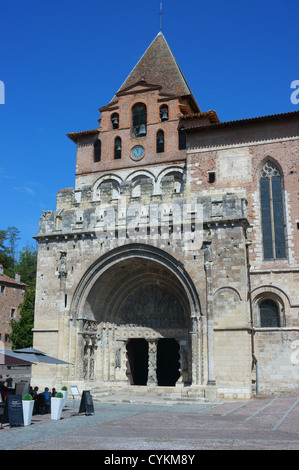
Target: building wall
[
  {"x": 237, "y": 168},
  {"x": 11, "y": 296}
]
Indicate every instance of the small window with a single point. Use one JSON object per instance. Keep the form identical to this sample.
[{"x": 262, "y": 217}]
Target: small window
[
  {"x": 2, "y": 289},
  {"x": 117, "y": 148},
  {"x": 115, "y": 121},
  {"x": 160, "y": 142},
  {"x": 97, "y": 151},
  {"x": 212, "y": 177},
  {"x": 164, "y": 113},
  {"x": 12, "y": 313},
  {"x": 182, "y": 140},
  {"x": 139, "y": 120},
  {"x": 6, "y": 337},
  {"x": 269, "y": 314}
]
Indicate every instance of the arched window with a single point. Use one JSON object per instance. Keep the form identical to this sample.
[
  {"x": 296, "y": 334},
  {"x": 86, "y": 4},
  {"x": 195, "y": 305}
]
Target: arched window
[
  {"x": 164, "y": 112},
  {"x": 273, "y": 229},
  {"x": 117, "y": 148},
  {"x": 269, "y": 313},
  {"x": 139, "y": 120},
  {"x": 182, "y": 140},
  {"x": 97, "y": 151},
  {"x": 160, "y": 142},
  {"x": 114, "y": 121}
]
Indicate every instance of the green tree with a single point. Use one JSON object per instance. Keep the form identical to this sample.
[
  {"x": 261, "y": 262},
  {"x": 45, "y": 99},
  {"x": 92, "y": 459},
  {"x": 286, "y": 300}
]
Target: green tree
[
  {"x": 27, "y": 265},
  {"x": 9, "y": 249},
  {"x": 21, "y": 331}
]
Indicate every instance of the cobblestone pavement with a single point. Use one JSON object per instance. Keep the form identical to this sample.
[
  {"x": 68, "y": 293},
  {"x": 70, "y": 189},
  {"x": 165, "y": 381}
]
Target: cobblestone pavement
[{"x": 270, "y": 423}]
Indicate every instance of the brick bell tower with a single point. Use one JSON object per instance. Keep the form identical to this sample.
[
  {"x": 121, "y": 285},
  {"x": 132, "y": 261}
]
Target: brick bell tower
[{"x": 142, "y": 124}]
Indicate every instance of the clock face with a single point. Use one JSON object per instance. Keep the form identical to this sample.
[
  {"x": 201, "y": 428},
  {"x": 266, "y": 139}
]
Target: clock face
[{"x": 137, "y": 152}]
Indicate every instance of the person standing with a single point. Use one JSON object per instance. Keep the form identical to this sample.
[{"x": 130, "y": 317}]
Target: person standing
[{"x": 47, "y": 396}]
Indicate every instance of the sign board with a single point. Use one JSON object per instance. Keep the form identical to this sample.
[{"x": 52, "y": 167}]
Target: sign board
[
  {"x": 22, "y": 388},
  {"x": 13, "y": 411},
  {"x": 86, "y": 404},
  {"x": 74, "y": 390}
]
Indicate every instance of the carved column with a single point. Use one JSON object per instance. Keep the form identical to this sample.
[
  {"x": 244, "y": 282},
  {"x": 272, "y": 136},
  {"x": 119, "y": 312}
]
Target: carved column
[
  {"x": 152, "y": 362},
  {"x": 183, "y": 360}
]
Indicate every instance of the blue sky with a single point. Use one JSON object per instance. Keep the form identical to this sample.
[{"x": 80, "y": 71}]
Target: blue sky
[{"x": 62, "y": 60}]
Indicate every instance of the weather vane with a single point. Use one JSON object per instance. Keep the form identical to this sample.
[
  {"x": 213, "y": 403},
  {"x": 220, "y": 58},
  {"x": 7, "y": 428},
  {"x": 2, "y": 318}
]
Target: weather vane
[{"x": 161, "y": 13}]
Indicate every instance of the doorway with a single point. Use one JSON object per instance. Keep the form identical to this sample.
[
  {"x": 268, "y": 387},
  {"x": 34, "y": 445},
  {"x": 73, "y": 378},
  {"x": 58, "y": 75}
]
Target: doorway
[
  {"x": 137, "y": 364},
  {"x": 168, "y": 362}
]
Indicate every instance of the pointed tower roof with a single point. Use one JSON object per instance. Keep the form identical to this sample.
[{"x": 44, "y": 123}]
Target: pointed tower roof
[{"x": 158, "y": 66}]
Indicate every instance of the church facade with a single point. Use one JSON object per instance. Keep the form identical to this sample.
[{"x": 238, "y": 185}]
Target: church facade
[{"x": 174, "y": 261}]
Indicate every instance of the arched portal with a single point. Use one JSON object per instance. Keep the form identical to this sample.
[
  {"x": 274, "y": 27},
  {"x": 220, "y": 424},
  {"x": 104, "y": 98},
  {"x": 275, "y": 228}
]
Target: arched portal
[{"x": 134, "y": 307}]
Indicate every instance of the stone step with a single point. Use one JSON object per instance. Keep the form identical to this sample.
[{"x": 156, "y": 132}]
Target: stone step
[{"x": 136, "y": 394}]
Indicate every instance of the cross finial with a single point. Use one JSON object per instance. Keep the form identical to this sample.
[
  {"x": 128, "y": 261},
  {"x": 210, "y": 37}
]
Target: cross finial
[{"x": 161, "y": 13}]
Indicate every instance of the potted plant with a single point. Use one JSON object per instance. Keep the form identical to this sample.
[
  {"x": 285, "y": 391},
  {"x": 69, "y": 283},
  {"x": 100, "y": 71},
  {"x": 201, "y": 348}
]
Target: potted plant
[
  {"x": 27, "y": 405},
  {"x": 64, "y": 393},
  {"x": 56, "y": 406}
]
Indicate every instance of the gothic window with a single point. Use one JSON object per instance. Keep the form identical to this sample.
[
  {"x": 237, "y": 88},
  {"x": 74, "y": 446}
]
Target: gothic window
[
  {"x": 139, "y": 120},
  {"x": 115, "y": 121},
  {"x": 164, "y": 113},
  {"x": 269, "y": 314},
  {"x": 182, "y": 140},
  {"x": 97, "y": 151},
  {"x": 117, "y": 148},
  {"x": 160, "y": 142},
  {"x": 272, "y": 212}
]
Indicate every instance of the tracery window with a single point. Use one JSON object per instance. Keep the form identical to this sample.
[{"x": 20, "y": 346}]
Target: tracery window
[
  {"x": 272, "y": 212},
  {"x": 269, "y": 314}
]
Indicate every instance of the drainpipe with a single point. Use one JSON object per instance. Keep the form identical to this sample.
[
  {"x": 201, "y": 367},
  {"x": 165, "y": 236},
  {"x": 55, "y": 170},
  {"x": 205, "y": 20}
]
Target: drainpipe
[{"x": 255, "y": 361}]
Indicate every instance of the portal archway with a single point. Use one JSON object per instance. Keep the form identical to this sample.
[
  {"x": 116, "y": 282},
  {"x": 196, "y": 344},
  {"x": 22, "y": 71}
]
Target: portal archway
[{"x": 137, "y": 293}]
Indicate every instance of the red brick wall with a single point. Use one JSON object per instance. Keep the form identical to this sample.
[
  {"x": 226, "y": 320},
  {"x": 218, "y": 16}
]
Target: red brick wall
[
  {"x": 284, "y": 153},
  {"x": 11, "y": 298},
  {"x": 151, "y": 99}
]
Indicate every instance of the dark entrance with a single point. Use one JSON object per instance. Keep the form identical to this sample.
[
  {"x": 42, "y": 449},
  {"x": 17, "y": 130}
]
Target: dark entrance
[
  {"x": 168, "y": 362},
  {"x": 137, "y": 365}
]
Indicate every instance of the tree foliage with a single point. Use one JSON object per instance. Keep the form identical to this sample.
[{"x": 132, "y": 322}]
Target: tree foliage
[
  {"x": 21, "y": 331},
  {"x": 25, "y": 264}
]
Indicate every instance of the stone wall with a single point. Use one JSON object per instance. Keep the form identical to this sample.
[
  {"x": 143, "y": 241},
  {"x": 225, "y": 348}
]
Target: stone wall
[{"x": 75, "y": 246}]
